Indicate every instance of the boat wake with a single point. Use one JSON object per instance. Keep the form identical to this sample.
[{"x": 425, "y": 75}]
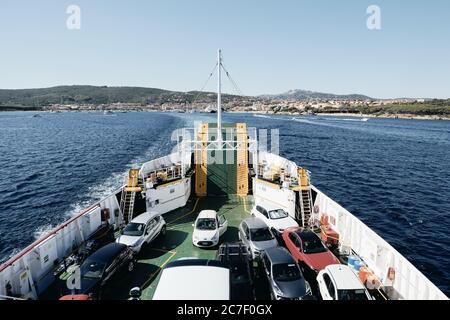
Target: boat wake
[
  {"x": 346, "y": 119},
  {"x": 42, "y": 231},
  {"x": 104, "y": 188},
  {"x": 261, "y": 116}
]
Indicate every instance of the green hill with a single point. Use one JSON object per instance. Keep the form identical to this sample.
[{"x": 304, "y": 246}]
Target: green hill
[{"x": 35, "y": 98}]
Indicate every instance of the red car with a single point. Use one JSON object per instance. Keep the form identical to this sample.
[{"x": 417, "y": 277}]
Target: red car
[{"x": 306, "y": 247}]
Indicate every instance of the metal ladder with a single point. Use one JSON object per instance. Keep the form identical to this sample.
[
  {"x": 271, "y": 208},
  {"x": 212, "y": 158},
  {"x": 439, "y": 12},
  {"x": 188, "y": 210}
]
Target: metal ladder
[
  {"x": 127, "y": 205},
  {"x": 129, "y": 194},
  {"x": 305, "y": 206},
  {"x": 305, "y": 197}
]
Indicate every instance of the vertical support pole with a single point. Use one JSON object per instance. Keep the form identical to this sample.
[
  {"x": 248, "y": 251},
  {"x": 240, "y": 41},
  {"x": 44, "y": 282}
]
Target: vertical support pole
[{"x": 219, "y": 98}]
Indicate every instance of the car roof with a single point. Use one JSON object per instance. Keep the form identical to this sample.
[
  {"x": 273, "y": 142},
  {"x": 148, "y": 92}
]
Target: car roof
[
  {"x": 306, "y": 234},
  {"x": 268, "y": 206},
  {"x": 343, "y": 276},
  {"x": 145, "y": 217},
  {"x": 255, "y": 223},
  {"x": 279, "y": 255},
  {"x": 194, "y": 279},
  {"x": 207, "y": 214},
  {"x": 108, "y": 252}
]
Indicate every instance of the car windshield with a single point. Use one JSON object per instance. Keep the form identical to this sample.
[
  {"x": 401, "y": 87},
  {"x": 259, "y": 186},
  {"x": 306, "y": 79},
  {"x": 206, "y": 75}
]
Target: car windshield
[
  {"x": 277, "y": 214},
  {"x": 286, "y": 272},
  {"x": 358, "y": 294},
  {"x": 311, "y": 243},
  {"x": 206, "y": 224},
  {"x": 262, "y": 234},
  {"x": 92, "y": 269},
  {"x": 134, "y": 229}
]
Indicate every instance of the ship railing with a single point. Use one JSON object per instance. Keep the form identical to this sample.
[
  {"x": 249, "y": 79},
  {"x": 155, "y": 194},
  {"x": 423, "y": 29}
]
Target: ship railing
[
  {"x": 226, "y": 145},
  {"x": 37, "y": 261},
  {"x": 377, "y": 254},
  {"x": 189, "y": 137},
  {"x": 163, "y": 175}
]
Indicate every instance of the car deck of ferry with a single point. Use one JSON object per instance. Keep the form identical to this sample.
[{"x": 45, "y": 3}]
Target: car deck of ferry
[{"x": 177, "y": 243}]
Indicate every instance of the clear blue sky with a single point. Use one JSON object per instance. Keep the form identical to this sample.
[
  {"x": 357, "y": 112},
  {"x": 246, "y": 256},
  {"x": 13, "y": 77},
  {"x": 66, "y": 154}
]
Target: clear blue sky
[{"x": 269, "y": 46}]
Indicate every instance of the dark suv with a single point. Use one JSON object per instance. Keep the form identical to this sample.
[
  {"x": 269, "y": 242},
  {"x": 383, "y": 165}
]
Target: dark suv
[
  {"x": 101, "y": 266},
  {"x": 285, "y": 278},
  {"x": 237, "y": 258}
]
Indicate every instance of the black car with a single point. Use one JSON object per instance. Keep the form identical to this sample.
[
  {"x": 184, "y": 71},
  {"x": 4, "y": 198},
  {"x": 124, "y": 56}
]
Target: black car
[
  {"x": 237, "y": 258},
  {"x": 285, "y": 278},
  {"x": 101, "y": 266}
]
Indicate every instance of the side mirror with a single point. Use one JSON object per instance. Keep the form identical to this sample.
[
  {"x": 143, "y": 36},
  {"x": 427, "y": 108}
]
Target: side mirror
[
  {"x": 193, "y": 224},
  {"x": 135, "y": 292}
]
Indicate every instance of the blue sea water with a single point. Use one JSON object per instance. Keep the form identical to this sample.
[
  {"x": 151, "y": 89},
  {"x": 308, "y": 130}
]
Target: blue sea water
[{"x": 393, "y": 174}]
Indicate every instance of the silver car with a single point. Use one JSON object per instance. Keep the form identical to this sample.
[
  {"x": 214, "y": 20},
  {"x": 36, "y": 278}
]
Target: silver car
[
  {"x": 143, "y": 229},
  {"x": 256, "y": 235}
]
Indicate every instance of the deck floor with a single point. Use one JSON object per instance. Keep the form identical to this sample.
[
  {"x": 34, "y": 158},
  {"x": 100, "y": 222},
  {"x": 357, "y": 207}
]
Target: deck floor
[{"x": 177, "y": 243}]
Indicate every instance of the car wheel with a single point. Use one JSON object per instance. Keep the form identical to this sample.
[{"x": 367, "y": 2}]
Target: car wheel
[{"x": 130, "y": 266}]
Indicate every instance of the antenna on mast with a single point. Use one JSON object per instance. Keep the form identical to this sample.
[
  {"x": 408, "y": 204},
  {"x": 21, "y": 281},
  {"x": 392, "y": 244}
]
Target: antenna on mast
[{"x": 219, "y": 93}]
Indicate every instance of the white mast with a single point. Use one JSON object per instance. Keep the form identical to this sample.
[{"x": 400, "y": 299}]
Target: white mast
[{"x": 219, "y": 98}]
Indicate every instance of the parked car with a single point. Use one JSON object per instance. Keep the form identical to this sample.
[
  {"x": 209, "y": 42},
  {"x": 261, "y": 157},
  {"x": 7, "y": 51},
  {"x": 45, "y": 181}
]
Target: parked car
[
  {"x": 208, "y": 228},
  {"x": 307, "y": 248},
  {"x": 193, "y": 279},
  {"x": 276, "y": 219},
  {"x": 101, "y": 237},
  {"x": 237, "y": 258},
  {"x": 339, "y": 282},
  {"x": 256, "y": 235},
  {"x": 284, "y": 275},
  {"x": 101, "y": 266},
  {"x": 142, "y": 230}
]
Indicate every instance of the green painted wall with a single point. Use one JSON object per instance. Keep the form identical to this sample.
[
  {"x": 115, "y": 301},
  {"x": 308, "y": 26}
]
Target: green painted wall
[{"x": 222, "y": 168}]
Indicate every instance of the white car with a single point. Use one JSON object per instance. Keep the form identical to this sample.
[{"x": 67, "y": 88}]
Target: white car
[
  {"x": 208, "y": 228},
  {"x": 143, "y": 229},
  {"x": 339, "y": 282},
  {"x": 194, "y": 279},
  {"x": 275, "y": 218}
]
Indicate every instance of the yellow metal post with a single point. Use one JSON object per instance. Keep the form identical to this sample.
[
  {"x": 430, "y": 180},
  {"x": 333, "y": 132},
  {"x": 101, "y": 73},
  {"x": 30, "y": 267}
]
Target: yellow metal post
[
  {"x": 242, "y": 160},
  {"x": 303, "y": 178},
  {"x": 201, "y": 161},
  {"x": 132, "y": 182}
]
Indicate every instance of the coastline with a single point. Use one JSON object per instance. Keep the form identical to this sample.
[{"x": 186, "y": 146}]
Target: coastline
[
  {"x": 389, "y": 116},
  {"x": 358, "y": 115},
  {"x": 408, "y": 116}
]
